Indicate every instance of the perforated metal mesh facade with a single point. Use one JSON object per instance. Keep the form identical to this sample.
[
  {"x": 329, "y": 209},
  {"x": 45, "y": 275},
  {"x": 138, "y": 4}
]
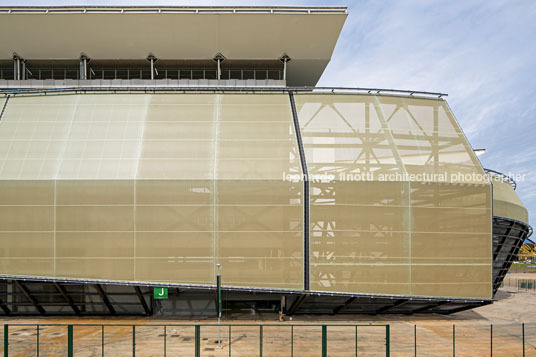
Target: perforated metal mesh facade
[
  {"x": 161, "y": 187},
  {"x": 151, "y": 188},
  {"x": 394, "y": 235}
]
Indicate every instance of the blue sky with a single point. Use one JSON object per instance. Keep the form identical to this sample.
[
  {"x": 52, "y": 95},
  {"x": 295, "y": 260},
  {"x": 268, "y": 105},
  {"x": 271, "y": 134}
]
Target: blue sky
[{"x": 482, "y": 53}]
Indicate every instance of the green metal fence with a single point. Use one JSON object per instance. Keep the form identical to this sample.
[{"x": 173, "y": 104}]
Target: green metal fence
[
  {"x": 196, "y": 340},
  {"x": 429, "y": 338},
  {"x": 520, "y": 284}
]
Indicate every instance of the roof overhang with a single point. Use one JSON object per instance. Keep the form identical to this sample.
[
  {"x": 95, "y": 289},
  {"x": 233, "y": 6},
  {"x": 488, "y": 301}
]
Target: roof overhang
[{"x": 307, "y": 35}]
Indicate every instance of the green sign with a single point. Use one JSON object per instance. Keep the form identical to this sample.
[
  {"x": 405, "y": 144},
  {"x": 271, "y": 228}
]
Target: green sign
[{"x": 160, "y": 293}]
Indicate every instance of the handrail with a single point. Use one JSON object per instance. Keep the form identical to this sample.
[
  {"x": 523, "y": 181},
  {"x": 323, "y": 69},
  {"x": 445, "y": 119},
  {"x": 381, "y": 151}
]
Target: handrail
[
  {"x": 505, "y": 177},
  {"x": 306, "y": 10},
  {"x": 350, "y": 90},
  {"x": 201, "y": 324}
]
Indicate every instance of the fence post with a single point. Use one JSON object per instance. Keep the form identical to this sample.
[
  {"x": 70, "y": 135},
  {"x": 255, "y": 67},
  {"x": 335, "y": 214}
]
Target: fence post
[
  {"x": 415, "y": 339},
  {"x": 387, "y": 340},
  {"x": 6, "y": 339},
  {"x": 165, "y": 333},
  {"x": 324, "y": 341},
  {"x": 197, "y": 341},
  {"x": 491, "y": 340},
  {"x": 229, "y": 340},
  {"x": 453, "y": 340},
  {"x": 37, "y": 340},
  {"x": 355, "y": 340},
  {"x": 260, "y": 340},
  {"x": 291, "y": 341},
  {"x": 523, "y": 334},
  {"x": 70, "y": 340},
  {"x": 133, "y": 340},
  {"x": 102, "y": 340}
]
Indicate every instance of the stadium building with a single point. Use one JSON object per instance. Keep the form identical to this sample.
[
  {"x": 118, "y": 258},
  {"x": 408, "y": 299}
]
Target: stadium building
[{"x": 140, "y": 147}]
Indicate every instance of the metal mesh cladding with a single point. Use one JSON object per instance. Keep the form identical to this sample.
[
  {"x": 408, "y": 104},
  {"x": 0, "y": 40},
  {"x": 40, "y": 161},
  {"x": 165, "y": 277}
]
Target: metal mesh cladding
[
  {"x": 402, "y": 212},
  {"x": 153, "y": 188},
  {"x": 161, "y": 187}
]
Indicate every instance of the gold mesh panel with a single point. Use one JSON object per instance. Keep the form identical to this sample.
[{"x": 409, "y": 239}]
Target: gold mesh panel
[
  {"x": 151, "y": 188},
  {"x": 259, "y": 216},
  {"x": 162, "y": 187},
  {"x": 506, "y": 203},
  {"x": 402, "y": 212}
]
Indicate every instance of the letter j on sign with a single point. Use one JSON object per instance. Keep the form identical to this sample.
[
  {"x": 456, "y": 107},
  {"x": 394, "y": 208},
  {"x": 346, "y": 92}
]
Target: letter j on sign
[{"x": 160, "y": 293}]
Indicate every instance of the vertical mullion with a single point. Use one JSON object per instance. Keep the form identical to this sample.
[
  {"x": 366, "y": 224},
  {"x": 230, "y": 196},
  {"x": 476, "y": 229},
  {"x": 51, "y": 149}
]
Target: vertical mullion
[{"x": 306, "y": 282}]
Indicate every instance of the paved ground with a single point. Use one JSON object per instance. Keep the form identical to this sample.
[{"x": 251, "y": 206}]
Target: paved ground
[{"x": 434, "y": 334}]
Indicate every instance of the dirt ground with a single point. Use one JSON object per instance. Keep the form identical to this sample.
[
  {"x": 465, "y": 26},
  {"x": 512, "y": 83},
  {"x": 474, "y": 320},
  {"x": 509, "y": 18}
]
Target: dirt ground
[{"x": 433, "y": 334}]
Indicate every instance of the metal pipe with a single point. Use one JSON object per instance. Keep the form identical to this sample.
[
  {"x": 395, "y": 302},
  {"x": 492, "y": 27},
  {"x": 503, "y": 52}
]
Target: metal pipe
[
  {"x": 16, "y": 68},
  {"x": 372, "y": 91},
  {"x": 285, "y": 58},
  {"x": 218, "y": 285},
  {"x": 6, "y": 340}
]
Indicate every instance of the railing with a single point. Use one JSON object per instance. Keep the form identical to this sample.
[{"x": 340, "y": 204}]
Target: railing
[
  {"x": 156, "y": 88},
  {"x": 173, "y": 9},
  {"x": 528, "y": 285},
  {"x": 196, "y": 340},
  {"x": 502, "y": 177},
  {"x": 433, "y": 338},
  {"x": 59, "y": 73}
]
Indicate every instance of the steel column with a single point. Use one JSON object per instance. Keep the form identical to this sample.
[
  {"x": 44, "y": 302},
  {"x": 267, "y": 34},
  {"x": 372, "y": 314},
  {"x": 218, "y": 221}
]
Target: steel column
[
  {"x": 345, "y": 305},
  {"x": 142, "y": 300},
  {"x": 104, "y": 298},
  {"x": 306, "y": 263},
  {"x": 30, "y": 297},
  {"x": 67, "y": 298},
  {"x": 4, "y": 307},
  {"x": 295, "y": 306}
]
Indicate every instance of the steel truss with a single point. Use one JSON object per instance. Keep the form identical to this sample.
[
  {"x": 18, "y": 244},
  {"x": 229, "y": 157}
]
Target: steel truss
[
  {"x": 508, "y": 237},
  {"x": 35, "y": 296}
]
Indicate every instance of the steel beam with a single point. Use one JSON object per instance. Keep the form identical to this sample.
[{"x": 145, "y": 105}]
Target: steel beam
[
  {"x": 345, "y": 305},
  {"x": 4, "y": 307},
  {"x": 503, "y": 240},
  {"x": 142, "y": 300},
  {"x": 462, "y": 308},
  {"x": 104, "y": 298},
  {"x": 67, "y": 298},
  {"x": 30, "y": 297},
  {"x": 296, "y": 304},
  {"x": 428, "y": 307},
  {"x": 4, "y": 107},
  {"x": 389, "y": 307}
]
